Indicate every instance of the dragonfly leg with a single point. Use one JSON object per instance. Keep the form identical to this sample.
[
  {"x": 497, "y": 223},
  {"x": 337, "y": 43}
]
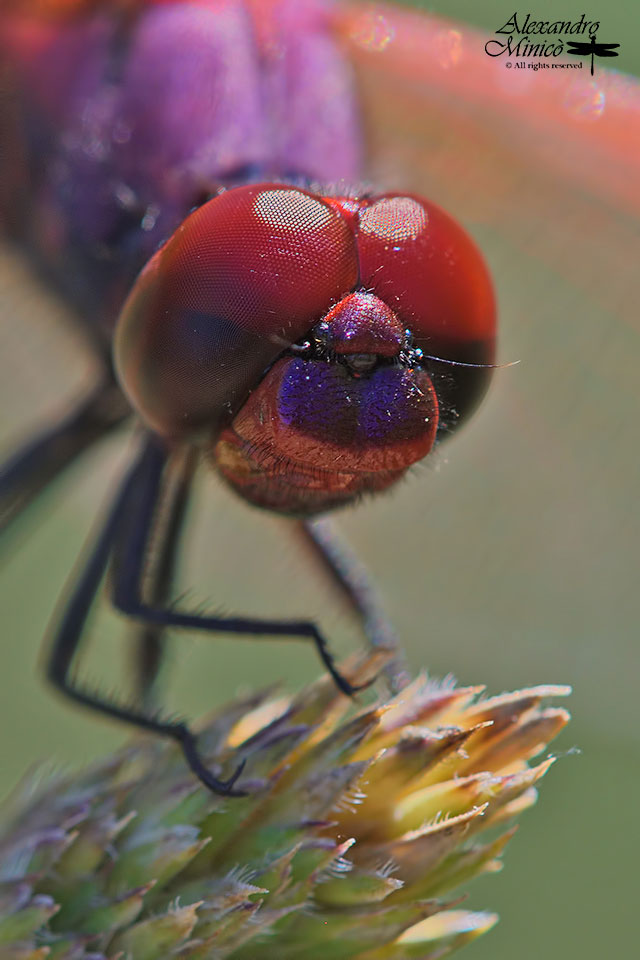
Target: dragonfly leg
[
  {"x": 69, "y": 635},
  {"x": 349, "y": 575},
  {"x": 150, "y": 641},
  {"x": 128, "y": 583},
  {"x": 29, "y": 470}
]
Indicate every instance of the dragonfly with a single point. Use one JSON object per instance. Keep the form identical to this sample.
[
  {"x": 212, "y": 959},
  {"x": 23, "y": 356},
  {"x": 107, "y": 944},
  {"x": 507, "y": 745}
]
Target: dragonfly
[
  {"x": 308, "y": 342},
  {"x": 592, "y": 49},
  {"x": 410, "y": 67}
]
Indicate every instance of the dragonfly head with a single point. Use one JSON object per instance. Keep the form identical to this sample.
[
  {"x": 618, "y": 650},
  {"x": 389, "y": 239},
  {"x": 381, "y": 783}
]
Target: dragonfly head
[{"x": 286, "y": 332}]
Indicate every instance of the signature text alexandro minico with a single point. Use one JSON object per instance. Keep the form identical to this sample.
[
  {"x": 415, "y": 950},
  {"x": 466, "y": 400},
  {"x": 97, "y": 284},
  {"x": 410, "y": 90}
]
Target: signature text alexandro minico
[{"x": 522, "y": 36}]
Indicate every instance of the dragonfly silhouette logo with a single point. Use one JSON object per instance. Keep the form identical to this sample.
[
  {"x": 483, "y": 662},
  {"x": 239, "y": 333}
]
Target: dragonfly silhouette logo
[
  {"x": 592, "y": 49},
  {"x": 528, "y": 43}
]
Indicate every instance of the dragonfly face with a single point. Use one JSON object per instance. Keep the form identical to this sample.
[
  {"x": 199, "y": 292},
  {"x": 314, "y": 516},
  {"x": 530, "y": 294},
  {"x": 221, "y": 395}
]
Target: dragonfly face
[{"x": 289, "y": 332}]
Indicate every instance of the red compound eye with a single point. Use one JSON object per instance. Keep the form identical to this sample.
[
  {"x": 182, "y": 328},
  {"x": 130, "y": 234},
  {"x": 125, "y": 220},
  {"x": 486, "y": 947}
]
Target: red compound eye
[
  {"x": 245, "y": 276},
  {"x": 420, "y": 262},
  {"x": 423, "y": 264}
]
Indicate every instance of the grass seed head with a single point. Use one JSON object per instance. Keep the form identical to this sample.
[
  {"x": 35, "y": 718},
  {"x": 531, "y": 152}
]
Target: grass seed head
[{"x": 357, "y": 831}]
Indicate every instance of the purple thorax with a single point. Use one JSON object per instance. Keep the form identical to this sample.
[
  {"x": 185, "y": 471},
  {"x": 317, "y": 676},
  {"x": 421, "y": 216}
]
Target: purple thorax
[{"x": 151, "y": 117}]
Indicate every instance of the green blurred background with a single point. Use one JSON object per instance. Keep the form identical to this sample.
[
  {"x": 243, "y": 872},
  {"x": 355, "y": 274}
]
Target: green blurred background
[{"x": 511, "y": 559}]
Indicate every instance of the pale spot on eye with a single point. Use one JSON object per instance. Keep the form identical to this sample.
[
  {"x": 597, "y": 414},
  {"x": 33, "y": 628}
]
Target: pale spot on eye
[
  {"x": 395, "y": 219},
  {"x": 290, "y": 210}
]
